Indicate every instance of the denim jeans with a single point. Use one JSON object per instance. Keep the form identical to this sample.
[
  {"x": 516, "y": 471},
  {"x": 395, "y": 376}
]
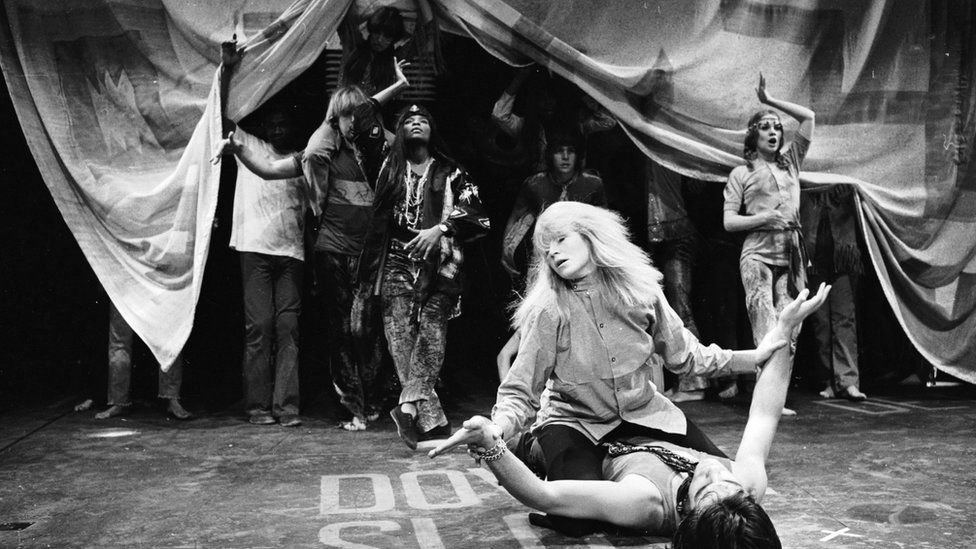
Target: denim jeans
[
  {"x": 835, "y": 329},
  {"x": 272, "y": 305},
  {"x": 120, "y": 364}
]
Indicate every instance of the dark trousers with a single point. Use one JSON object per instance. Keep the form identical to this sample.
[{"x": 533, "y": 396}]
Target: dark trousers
[
  {"x": 675, "y": 258},
  {"x": 355, "y": 354},
  {"x": 569, "y": 454},
  {"x": 835, "y": 329},
  {"x": 272, "y": 305}
]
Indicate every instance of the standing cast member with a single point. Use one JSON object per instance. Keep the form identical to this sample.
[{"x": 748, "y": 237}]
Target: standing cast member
[
  {"x": 268, "y": 233},
  {"x": 673, "y": 242},
  {"x": 763, "y": 198},
  {"x": 563, "y": 179},
  {"x": 425, "y": 207},
  {"x": 830, "y": 229},
  {"x": 340, "y": 164},
  {"x": 120, "y": 340}
]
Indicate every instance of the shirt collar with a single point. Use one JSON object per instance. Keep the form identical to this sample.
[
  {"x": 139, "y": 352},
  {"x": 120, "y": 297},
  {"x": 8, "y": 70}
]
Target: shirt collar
[{"x": 584, "y": 284}]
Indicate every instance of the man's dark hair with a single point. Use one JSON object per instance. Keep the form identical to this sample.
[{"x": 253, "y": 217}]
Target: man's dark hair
[
  {"x": 736, "y": 522},
  {"x": 386, "y": 20},
  {"x": 563, "y": 137}
]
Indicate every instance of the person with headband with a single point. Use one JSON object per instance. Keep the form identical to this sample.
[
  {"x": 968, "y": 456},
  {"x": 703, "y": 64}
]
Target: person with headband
[
  {"x": 762, "y": 199},
  {"x": 425, "y": 207}
]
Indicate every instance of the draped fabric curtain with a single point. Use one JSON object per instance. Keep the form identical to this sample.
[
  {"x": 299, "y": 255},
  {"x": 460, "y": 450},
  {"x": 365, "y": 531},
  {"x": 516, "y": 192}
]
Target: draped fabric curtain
[
  {"x": 120, "y": 106},
  {"x": 891, "y": 82},
  {"x": 118, "y": 101}
]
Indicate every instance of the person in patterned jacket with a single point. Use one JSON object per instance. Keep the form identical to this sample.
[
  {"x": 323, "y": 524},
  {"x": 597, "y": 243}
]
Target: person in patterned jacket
[{"x": 425, "y": 207}]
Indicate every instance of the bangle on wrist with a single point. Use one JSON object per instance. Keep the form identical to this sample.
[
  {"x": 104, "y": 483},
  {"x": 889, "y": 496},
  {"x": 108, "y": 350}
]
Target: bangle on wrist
[{"x": 492, "y": 454}]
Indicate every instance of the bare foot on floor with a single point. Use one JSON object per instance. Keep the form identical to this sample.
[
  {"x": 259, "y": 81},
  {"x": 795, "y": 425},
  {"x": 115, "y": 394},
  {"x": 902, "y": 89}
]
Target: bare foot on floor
[
  {"x": 355, "y": 424},
  {"x": 84, "y": 405},
  {"x": 177, "y": 410},
  {"x": 112, "y": 411},
  {"x": 729, "y": 392}
]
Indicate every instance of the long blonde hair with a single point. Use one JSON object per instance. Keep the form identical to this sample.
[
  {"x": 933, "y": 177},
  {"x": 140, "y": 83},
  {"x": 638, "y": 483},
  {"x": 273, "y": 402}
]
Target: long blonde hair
[{"x": 624, "y": 273}]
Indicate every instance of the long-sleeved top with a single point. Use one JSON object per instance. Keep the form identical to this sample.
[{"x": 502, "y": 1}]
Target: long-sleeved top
[
  {"x": 594, "y": 371},
  {"x": 337, "y": 179},
  {"x": 540, "y": 191},
  {"x": 342, "y": 179},
  {"x": 447, "y": 197}
]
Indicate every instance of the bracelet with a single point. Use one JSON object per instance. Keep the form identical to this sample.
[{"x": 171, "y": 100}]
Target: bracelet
[{"x": 492, "y": 454}]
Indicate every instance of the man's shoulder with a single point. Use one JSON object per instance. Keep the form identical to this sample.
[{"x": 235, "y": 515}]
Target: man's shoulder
[
  {"x": 591, "y": 178},
  {"x": 324, "y": 138}
]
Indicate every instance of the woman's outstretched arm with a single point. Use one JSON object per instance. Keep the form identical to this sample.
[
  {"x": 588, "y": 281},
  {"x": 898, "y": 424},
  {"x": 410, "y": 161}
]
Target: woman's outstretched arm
[
  {"x": 625, "y": 503},
  {"x": 769, "y": 396}
]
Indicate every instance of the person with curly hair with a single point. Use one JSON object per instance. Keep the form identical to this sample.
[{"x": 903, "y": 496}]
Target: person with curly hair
[{"x": 762, "y": 199}]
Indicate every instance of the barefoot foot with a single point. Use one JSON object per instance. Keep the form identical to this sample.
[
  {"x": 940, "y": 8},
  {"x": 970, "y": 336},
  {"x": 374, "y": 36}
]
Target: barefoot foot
[
  {"x": 177, "y": 410},
  {"x": 112, "y": 411}
]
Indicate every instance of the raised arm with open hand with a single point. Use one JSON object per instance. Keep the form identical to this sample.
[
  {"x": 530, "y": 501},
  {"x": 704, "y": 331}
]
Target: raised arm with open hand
[
  {"x": 385, "y": 95},
  {"x": 769, "y": 396},
  {"x": 802, "y": 114},
  {"x": 801, "y": 307}
]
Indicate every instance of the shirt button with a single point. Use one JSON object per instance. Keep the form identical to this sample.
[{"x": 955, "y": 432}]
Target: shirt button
[
  {"x": 613, "y": 359},
  {"x": 601, "y": 324}
]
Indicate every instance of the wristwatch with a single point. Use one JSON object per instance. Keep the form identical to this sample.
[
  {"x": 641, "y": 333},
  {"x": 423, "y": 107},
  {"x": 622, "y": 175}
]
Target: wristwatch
[{"x": 444, "y": 228}]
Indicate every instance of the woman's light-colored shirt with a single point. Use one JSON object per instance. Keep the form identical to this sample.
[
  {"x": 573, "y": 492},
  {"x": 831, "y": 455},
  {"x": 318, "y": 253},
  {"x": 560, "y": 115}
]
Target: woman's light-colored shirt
[
  {"x": 769, "y": 187},
  {"x": 594, "y": 371}
]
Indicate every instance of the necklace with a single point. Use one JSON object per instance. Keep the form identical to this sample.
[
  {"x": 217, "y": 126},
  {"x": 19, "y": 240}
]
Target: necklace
[{"x": 415, "y": 182}]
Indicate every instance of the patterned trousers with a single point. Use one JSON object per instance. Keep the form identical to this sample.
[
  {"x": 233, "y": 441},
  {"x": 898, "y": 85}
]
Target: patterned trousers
[
  {"x": 417, "y": 335},
  {"x": 766, "y": 295},
  {"x": 354, "y": 350}
]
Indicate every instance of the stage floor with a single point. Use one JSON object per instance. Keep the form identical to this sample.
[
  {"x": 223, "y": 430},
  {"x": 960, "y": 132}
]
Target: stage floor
[{"x": 896, "y": 471}]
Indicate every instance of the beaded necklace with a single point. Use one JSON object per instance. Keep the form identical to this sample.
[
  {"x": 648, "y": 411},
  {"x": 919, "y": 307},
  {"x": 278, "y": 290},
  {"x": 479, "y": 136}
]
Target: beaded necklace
[
  {"x": 415, "y": 190},
  {"x": 677, "y": 463}
]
